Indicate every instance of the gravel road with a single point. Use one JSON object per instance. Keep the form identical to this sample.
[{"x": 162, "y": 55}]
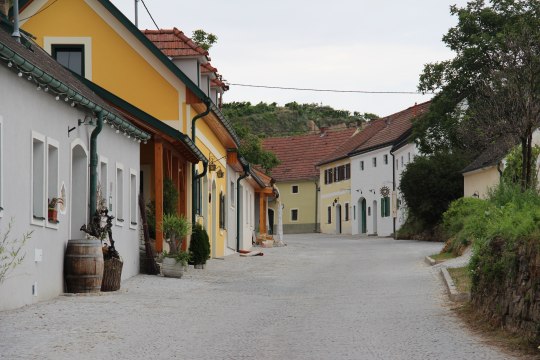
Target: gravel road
[{"x": 320, "y": 297}]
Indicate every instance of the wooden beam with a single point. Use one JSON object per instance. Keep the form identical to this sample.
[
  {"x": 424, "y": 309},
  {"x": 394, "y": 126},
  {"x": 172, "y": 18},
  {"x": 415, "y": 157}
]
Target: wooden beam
[
  {"x": 262, "y": 215},
  {"x": 158, "y": 185}
]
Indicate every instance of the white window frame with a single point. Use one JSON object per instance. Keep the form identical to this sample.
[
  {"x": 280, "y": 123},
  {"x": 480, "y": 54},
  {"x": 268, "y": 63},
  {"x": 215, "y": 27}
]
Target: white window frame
[
  {"x": 42, "y": 138},
  {"x": 297, "y": 190},
  {"x": 105, "y": 192},
  {"x": 133, "y": 200},
  {"x": 297, "y": 214},
  {"x": 119, "y": 205},
  {"x": 56, "y": 144}
]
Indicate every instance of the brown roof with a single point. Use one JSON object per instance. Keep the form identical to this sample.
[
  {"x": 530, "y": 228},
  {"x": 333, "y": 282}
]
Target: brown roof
[
  {"x": 174, "y": 43},
  {"x": 396, "y": 125},
  {"x": 300, "y": 154},
  {"x": 493, "y": 154},
  {"x": 354, "y": 142}
]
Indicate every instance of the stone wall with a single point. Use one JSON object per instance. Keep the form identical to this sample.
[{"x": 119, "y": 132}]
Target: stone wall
[{"x": 510, "y": 295}]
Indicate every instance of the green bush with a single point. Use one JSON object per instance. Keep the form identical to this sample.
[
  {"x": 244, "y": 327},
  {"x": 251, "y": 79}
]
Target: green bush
[{"x": 199, "y": 247}]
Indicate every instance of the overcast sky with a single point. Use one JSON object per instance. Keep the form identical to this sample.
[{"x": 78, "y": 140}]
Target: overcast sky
[{"x": 373, "y": 45}]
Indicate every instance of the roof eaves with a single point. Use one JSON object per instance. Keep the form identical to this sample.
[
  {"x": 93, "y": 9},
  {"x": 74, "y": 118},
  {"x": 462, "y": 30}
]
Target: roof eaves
[
  {"x": 371, "y": 148},
  {"x": 226, "y": 123},
  {"x": 149, "y": 119}
]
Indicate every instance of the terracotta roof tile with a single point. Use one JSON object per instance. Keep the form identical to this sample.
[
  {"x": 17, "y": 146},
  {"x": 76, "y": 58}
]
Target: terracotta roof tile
[
  {"x": 174, "y": 43},
  {"x": 300, "y": 154},
  {"x": 395, "y": 126}
]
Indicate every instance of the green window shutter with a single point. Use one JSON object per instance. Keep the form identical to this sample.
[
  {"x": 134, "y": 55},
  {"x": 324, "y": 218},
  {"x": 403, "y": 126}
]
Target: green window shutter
[
  {"x": 382, "y": 207},
  {"x": 387, "y": 206}
]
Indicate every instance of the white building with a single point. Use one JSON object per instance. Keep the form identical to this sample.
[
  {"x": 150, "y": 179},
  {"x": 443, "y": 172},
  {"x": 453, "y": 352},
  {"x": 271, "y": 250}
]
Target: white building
[
  {"x": 47, "y": 118},
  {"x": 376, "y": 167}
]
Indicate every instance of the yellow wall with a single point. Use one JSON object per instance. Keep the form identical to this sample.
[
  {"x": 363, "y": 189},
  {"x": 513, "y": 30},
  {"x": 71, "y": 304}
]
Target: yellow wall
[
  {"x": 304, "y": 201},
  {"x": 217, "y": 150},
  {"x": 116, "y": 66},
  {"x": 480, "y": 181},
  {"x": 329, "y": 193}
]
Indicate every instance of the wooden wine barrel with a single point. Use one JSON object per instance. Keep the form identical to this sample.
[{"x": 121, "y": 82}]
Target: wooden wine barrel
[{"x": 83, "y": 266}]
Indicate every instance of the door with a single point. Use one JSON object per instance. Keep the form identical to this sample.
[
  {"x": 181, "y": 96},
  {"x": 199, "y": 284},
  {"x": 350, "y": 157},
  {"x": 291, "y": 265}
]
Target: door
[
  {"x": 374, "y": 217},
  {"x": 338, "y": 219},
  {"x": 362, "y": 225},
  {"x": 214, "y": 220}
]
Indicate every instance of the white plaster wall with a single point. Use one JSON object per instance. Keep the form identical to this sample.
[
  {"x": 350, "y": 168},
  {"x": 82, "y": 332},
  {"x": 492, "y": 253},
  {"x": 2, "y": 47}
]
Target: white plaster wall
[
  {"x": 367, "y": 184},
  {"x": 188, "y": 67},
  {"x": 23, "y": 109},
  {"x": 403, "y": 156},
  {"x": 232, "y": 176},
  {"x": 247, "y": 216}
]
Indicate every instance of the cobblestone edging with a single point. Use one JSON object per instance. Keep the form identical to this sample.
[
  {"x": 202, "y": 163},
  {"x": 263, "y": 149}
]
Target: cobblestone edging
[{"x": 453, "y": 292}]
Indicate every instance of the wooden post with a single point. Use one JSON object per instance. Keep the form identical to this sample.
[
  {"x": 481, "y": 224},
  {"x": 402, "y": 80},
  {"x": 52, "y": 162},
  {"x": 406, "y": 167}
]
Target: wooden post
[
  {"x": 158, "y": 183},
  {"x": 262, "y": 214}
]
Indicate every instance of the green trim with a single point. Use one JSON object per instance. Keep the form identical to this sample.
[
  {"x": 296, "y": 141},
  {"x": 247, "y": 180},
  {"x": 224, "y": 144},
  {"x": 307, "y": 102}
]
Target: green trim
[{"x": 147, "y": 118}]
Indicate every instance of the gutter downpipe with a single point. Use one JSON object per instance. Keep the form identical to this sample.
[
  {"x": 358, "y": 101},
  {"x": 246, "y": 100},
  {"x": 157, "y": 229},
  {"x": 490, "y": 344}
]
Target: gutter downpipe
[
  {"x": 94, "y": 163},
  {"x": 245, "y": 175},
  {"x": 193, "y": 166},
  {"x": 16, "y": 33},
  {"x": 394, "y": 189}
]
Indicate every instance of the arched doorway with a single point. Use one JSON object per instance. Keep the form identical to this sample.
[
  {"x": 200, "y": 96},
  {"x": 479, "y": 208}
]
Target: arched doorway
[
  {"x": 79, "y": 191},
  {"x": 205, "y": 201},
  {"x": 271, "y": 221},
  {"x": 338, "y": 219},
  {"x": 362, "y": 224},
  {"x": 374, "y": 217},
  {"x": 214, "y": 218}
]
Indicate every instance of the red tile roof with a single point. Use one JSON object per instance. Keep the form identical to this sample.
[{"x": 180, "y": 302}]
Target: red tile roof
[
  {"x": 396, "y": 125},
  {"x": 354, "y": 142},
  {"x": 174, "y": 43},
  {"x": 300, "y": 154}
]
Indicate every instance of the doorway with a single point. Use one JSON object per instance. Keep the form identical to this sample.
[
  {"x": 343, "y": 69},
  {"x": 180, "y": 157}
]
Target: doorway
[
  {"x": 338, "y": 219},
  {"x": 374, "y": 217},
  {"x": 214, "y": 221},
  {"x": 362, "y": 225},
  {"x": 271, "y": 221},
  {"x": 79, "y": 191}
]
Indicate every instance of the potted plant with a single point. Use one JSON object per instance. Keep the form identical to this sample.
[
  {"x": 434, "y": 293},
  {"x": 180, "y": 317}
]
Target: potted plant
[
  {"x": 199, "y": 247},
  {"x": 52, "y": 211},
  {"x": 175, "y": 229}
]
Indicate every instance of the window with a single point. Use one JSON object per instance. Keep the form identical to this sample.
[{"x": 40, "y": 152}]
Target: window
[
  {"x": 374, "y": 160},
  {"x": 354, "y": 212},
  {"x": 104, "y": 181},
  {"x": 132, "y": 199},
  {"x": 347, "y": 171},
  {"x": 70, "y": 56},
  {"x": 295, "y": 189},
  {"x": 38, "y": 178},
  {"x": 233, "y": 194},
  {"x": 221, "y": 210},
  {"x": 397, "y": 163},
  {"x": 402, "y": 161},
  {"x": 346, "y": 211},
  {"x": 198, "y": 194},
  {"x": 294, "y": 214},
  {"x": 385, "y": 159},
  {"x": 119, "y": 194},
  {"x": 329, "y": 215},
  {"x": 361, "y": 165},
  {"x": 330, "y": 175},
  {"x": 52, "y": 171},
  {"x": 409, "y": 157},
  {"x": 385, "y": 206}
]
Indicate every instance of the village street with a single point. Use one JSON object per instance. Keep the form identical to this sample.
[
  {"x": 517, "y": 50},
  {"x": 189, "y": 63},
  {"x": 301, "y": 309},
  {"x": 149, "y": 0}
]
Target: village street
[{"x": 321, "y": 297}]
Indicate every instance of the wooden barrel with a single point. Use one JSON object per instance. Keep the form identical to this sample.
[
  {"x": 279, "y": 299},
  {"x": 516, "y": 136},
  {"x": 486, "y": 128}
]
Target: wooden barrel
[{"x": 83, "y": 266}]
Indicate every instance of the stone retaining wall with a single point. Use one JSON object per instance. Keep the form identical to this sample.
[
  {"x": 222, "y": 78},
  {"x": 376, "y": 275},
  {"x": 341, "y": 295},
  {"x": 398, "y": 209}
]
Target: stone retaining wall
[{"x": 513, "y": 298}]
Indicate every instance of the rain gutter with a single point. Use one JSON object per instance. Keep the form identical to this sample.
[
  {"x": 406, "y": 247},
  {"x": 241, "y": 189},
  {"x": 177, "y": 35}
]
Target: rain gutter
[{"x": 194, "y": 176}]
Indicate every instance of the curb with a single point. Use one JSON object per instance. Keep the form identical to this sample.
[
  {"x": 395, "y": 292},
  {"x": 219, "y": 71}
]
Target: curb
[
  {"x": 430, "y": 261},
  {"x": 453, "y": 293}
]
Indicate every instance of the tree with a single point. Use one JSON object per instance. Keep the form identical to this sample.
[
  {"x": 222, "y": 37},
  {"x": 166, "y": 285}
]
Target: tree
[
  {"x": 204, "y": 39},
  {"x": 491, "y": 87},
  {"x": 430, "y": 183},
  {"x": 252, "y": 150}
]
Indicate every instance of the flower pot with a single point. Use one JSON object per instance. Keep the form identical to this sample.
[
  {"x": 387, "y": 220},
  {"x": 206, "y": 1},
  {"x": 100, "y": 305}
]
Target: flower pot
[
  {"x": 53, "y": 215},
  {"x": 172, "y": 268}
]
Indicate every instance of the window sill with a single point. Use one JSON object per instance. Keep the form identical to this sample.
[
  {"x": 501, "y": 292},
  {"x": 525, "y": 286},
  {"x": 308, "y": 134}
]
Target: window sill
[
  {"x": 52, "y": 224},
  {"x": 37, "y": 220},
  {"x": 119, "y": 222}
]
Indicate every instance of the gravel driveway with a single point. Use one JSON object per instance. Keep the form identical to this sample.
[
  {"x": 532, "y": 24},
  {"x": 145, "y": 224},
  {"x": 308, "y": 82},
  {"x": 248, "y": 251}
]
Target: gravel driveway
[{"x": 321, "y": 297}]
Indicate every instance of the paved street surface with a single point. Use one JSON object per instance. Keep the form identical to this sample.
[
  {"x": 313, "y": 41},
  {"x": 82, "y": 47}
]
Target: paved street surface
[{"x": 321, "y": 297}]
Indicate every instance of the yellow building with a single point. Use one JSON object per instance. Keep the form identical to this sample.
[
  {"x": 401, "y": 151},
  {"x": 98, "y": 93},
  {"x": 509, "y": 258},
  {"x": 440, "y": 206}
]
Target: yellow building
[
  {"x": 297, "y": 178},
  {"x": 97, "y": 41},
  {"x": 336, "y": 197}
]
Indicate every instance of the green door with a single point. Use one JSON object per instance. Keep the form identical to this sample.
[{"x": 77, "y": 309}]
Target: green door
[{"x": 363, "y": 216}]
